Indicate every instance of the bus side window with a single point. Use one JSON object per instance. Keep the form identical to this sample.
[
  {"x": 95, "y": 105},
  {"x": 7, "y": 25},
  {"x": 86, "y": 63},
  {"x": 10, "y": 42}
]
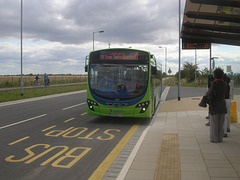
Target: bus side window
[
  {"x": 153, "y": 70},
  {"x": 153, "y": 65}
]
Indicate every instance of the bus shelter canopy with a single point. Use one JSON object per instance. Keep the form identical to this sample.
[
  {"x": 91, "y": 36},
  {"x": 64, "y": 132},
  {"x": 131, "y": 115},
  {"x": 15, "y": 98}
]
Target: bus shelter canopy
[{"x": 211, "y": 21}]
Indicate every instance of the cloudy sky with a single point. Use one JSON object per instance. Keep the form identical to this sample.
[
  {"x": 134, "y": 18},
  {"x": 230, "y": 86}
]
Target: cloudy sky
[{"x": 58, "y": 34}]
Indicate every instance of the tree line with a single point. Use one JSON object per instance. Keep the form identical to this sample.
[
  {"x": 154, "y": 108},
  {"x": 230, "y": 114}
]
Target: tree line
[{"x": 188, "y": 73}]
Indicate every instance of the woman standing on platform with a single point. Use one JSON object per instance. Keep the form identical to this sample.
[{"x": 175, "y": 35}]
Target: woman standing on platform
[
  {"x": 217, "y": 106},
  {"x": 228, "y": 106}
]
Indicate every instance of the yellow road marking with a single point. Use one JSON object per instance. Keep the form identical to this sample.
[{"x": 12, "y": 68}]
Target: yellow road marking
[
  {"x": 83, "y": 113},
  {"x": 49, "y": 128},
  {"x": 69, "y": 120},
  {"x": 104, "y": 166},
  {"x": 19, "y": 140}
]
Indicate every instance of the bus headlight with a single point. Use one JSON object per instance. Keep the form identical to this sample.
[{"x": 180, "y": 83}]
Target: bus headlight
[
  {"x": 143, "y": 105},
  {"x": 91, "y": 103}
]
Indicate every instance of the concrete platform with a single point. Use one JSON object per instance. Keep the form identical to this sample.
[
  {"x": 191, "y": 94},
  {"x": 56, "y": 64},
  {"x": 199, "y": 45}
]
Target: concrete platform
[{"x": 177, "y": 147}]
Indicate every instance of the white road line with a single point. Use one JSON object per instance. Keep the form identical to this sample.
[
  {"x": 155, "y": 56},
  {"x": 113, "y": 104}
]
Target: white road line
[
  {"x": 23, "y": 121},
  {"x": 73, "y": 106},
  {"x": 133, "y": 154},
  {"x": 165, "y": 93}
]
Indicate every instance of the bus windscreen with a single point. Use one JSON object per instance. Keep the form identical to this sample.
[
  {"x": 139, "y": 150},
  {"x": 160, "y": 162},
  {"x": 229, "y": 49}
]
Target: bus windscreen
[{"x": 118, "y": 81}]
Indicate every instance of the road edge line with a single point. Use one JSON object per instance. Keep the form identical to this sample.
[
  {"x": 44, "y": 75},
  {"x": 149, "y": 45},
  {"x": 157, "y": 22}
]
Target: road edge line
[
  {"x": 133, "y": 154},
  {"x": 104, "y": 166},
  {"x": 9, "y": 125}
]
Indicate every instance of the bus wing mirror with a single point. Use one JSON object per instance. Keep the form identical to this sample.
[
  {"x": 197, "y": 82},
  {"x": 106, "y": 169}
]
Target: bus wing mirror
[
  {"x": 153, "y": 70},
  {"x": 86, "y": 62}
]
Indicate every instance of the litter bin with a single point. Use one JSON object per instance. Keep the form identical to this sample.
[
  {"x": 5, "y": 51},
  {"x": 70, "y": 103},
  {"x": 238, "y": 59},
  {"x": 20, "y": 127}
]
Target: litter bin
[{"x": 233, "y": 112}]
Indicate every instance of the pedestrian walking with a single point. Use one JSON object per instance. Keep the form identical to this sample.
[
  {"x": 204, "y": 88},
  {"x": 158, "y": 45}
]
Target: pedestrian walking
[
  {"x": 36, "y": 80},
  {"x": 46, "y": 79}
]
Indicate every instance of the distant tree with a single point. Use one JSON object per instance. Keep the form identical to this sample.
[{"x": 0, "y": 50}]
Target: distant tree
[
  {"x": 190, "y": 71},
  {"x": 164, "y": 74},
  {"x": 183, "y": 74},
  {"x": 204, "y": 73}
]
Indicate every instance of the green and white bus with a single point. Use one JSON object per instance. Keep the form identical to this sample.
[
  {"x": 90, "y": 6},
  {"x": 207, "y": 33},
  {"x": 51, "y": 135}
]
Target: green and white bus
[{"x": 123, "y": 83}]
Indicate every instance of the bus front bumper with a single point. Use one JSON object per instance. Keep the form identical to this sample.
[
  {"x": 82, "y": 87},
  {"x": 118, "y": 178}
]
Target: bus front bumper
[{"x": 119, "y": 112}]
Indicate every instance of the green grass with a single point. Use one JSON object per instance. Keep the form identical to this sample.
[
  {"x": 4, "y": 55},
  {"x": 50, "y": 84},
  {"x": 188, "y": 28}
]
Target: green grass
[{"x": 37, "y": 92}]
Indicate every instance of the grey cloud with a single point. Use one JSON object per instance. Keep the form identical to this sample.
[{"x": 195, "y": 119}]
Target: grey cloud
[{"x": 74, "y": 21}]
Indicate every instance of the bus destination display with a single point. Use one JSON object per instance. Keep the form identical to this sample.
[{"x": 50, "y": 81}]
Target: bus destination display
[{"x": 118, "y": 56}]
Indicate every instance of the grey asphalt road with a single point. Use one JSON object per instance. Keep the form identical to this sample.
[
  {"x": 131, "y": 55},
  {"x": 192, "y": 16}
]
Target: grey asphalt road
[
  {"x": 54, "y": 139},
  {"x": 185, "y": 92},
  {"x": 190, "y": 92}
]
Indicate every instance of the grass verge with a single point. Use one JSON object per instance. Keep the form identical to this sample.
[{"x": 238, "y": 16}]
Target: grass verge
[{"x": 37, "y": 92}]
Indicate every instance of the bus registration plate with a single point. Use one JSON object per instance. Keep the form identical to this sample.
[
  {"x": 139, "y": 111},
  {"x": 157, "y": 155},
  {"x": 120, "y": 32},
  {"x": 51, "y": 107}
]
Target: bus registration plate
[{"x": 116, "y": 115}]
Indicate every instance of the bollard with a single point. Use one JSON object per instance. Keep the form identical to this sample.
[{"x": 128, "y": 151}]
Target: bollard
[{"x": 233, "y": 112}]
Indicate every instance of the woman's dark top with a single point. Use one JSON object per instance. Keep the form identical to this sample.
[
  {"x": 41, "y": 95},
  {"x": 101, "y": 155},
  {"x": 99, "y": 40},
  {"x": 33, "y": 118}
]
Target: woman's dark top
[{"x": 217, "y": 94}]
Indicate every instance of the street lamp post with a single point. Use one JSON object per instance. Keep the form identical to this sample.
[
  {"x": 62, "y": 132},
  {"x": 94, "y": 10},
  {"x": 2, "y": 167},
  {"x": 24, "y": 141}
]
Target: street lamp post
[
  {"x": 93, "y": 37},
  {"x": 195, "y": 67},
  {"x": 179, "y": 51},
  {"x": 165, "y": 58},
  {"x": 212, "y": 64},
  {"x": 21, "y": 48}
]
